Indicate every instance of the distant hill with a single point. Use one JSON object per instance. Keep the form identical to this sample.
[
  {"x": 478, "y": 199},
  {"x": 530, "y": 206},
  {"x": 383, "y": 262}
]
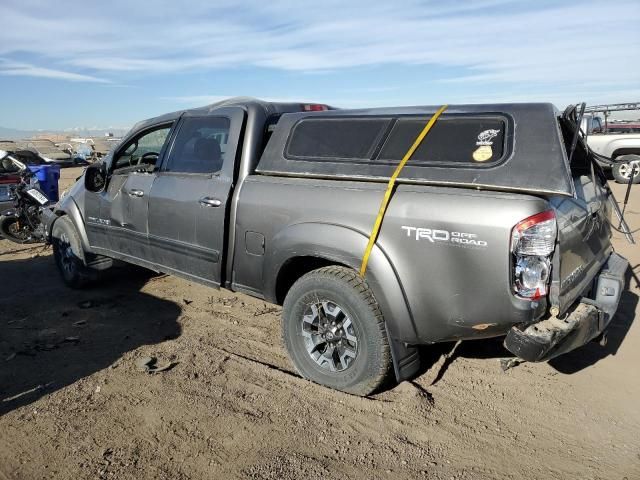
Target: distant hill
[{"x": 13, "y": 133}]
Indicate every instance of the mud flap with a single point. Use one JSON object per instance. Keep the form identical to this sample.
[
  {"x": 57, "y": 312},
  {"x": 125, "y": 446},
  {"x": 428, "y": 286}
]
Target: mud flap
[{"x": 406, "y": 360}]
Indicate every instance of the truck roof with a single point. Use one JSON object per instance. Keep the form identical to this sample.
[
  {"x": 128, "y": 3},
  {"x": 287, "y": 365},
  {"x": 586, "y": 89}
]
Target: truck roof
[{"x": 247, "y": 103}]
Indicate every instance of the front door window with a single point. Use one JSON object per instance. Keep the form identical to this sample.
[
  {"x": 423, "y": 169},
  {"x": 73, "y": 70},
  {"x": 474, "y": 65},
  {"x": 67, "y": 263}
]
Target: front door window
[
  {"x": 142, "y": 151},
  {"x": 200, "y": 146}
]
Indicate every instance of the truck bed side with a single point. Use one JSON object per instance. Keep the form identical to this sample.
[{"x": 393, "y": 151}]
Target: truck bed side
[{"x": 448, "y": 247}]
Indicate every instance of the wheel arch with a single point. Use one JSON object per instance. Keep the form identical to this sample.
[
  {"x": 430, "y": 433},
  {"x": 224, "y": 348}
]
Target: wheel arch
[
  {"x": 67, "y": 207},
  {"x": 625, "y": 151},
  {"x": 306, "y": 246}
]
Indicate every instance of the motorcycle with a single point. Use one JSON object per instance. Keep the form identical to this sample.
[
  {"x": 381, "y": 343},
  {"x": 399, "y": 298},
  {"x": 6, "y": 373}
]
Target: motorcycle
[{"x": 23, "y": 224}]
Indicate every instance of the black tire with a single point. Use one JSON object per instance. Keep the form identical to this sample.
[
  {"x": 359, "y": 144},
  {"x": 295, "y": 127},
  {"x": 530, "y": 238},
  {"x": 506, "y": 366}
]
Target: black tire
[
  {"x": 622, "y": 171},
  {"x": 7, "y": 231},
  {"x": 68, "y": 254},
  {"x": 343, "y": 288}
]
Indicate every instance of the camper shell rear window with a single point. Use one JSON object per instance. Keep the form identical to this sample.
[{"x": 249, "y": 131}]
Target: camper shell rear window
[{"x": 454, "y": 140}]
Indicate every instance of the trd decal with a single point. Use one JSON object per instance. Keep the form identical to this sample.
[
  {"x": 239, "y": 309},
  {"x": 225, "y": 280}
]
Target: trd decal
[{"x": 433, "y": 235}]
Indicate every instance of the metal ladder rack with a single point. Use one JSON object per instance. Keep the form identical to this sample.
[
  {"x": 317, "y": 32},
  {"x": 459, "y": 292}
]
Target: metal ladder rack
[{"x": 613, "y": 107}]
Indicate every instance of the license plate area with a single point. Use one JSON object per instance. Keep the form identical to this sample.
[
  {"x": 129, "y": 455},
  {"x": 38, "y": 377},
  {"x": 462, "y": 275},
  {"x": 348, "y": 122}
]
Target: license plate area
[{"x": 38, "y": 196}]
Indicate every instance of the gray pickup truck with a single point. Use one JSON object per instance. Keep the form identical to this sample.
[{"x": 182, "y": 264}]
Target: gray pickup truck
[{"x": 490, "y": 231}]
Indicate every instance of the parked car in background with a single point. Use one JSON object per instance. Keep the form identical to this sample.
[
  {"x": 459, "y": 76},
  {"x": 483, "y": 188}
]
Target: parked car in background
[
  {"x": 102, "y": 146},
  {"x": 617, "y": 140},
  {"x": 623, "y": 127},
  {"x": 624, "y": 148},
  {"x": 50, "y": 153}
]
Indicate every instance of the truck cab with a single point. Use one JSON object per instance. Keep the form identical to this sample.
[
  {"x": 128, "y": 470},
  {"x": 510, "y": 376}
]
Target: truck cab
[{"x": 167, "y": 202}]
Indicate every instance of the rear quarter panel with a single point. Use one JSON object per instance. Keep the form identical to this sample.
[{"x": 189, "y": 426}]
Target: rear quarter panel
[{"x": 454, "y": 289}]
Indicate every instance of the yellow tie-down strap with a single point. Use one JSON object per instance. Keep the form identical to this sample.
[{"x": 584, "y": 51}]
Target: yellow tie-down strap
[{"x": 392, "y": 181}]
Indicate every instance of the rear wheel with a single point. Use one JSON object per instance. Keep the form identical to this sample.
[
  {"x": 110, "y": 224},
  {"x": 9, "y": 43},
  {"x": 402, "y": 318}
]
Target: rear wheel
[
  {"x": 629, "y": 166},
  {"x": 69, "y": 255},
  {"x": 334, "y": 331}
]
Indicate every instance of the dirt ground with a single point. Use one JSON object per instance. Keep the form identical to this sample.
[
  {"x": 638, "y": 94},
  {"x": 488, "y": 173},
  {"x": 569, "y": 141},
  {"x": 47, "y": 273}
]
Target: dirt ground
[{"x": 74, "y": 405}]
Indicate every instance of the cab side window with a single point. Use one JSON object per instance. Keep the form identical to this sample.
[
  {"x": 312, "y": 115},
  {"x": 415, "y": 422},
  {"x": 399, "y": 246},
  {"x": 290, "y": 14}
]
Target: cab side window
[
  {"x": 144, "y": 150},
  {"x": 200, "y": 146}
]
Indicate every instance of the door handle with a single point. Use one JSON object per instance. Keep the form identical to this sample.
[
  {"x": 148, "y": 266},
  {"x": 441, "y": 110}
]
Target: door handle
[
  {"x": 136, "y": 193},
  {"x": 209, "y": 202}
]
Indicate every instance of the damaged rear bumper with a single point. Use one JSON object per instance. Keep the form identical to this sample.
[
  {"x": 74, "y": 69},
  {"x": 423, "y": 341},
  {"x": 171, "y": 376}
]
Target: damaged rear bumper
[{"x": 549, "y": 338}]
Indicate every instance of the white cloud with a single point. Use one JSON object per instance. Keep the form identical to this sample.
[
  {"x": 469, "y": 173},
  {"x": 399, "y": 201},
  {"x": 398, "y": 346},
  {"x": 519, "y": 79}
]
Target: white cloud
[
  {"x": 554, "y": 45},
  {"x": 28, "y": 70}
]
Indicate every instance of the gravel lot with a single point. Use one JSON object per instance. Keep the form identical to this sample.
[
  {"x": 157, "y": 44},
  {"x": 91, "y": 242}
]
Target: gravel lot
[{"x": 74, "y": 404}]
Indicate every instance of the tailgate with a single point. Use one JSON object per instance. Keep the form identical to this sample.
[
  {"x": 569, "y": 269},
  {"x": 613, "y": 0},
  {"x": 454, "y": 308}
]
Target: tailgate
[
  {"x": 583, "y": 238},
  {"x": 584, "y": 230}
]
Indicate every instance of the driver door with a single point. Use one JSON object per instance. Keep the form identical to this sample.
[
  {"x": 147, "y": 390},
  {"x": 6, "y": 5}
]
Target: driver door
[
  {"x": 188, "y": 202},
  {"x": 121, "y": 225}
]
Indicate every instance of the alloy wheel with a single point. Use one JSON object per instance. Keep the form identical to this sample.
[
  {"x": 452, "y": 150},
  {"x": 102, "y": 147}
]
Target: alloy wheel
[
  {"x": 626, "y": 169},
  {"x": 329, "y": 335}
]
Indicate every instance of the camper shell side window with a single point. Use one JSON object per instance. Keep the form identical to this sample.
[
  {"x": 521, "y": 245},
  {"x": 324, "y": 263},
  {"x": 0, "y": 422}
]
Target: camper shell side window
[{"x": 454, "y": 141}]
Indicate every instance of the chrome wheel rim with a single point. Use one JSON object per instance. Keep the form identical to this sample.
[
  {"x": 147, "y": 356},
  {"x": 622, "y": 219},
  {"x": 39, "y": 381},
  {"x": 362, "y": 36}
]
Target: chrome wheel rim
[
  {"x": 626, "y": 169},
  {"x": 329, "y": 336}
]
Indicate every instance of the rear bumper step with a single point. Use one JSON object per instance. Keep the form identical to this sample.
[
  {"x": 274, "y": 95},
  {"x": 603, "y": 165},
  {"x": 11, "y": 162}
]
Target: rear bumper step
[{"x": 549, "y": 338}]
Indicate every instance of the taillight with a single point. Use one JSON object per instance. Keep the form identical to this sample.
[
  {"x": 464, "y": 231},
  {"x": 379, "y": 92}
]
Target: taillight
[{"x": 532, "y": 243}]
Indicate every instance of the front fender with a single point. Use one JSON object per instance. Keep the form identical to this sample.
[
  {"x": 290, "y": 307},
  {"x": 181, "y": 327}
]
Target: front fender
[
  {"x": 619, "y": 143},
  {"x": 345, "y": 246},
  {"x": 67, "y": 206}
]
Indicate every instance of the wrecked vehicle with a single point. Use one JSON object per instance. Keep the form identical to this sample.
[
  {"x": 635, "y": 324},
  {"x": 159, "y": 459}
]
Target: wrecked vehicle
[
  {"x": 495, "y": 222},
  {"x": 28, "y": 195},
  {"x": 8, "y": 181},
  {"x": 9, "y": 178},
  {"x": 50, "y": 153}
]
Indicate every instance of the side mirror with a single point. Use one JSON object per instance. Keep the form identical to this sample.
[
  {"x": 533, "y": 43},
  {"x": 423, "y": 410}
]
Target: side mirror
[{"x": 95, "y": 177}]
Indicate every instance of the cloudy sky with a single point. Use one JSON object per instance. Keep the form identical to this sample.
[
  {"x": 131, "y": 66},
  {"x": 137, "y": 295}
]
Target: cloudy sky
[{"x": 77, "y": 63}]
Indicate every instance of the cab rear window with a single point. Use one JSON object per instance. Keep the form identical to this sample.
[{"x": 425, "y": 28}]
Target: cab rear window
[{"x": 455, "y": 140}]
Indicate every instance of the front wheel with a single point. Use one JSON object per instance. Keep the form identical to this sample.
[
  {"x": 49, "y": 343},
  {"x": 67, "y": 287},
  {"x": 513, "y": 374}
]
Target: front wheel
[
  {"x": 334, "y": 331},
  {"x": 629, "y": 167},
  {"x": 68, "y": 254}
]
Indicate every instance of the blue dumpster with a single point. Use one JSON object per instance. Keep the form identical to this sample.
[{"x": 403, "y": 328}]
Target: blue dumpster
[{"x": 48, "y": 176}]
